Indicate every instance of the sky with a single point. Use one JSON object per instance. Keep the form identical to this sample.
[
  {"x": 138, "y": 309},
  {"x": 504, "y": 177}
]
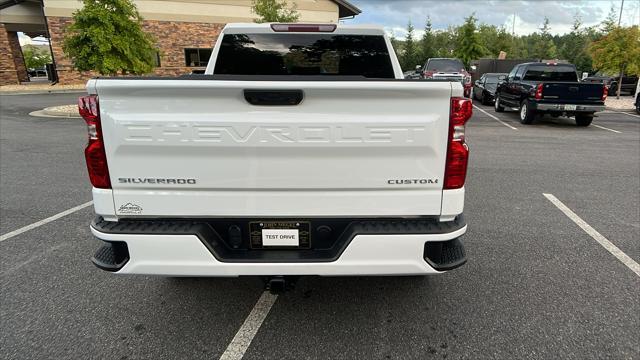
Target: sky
[{"x": 529, "y": 15}]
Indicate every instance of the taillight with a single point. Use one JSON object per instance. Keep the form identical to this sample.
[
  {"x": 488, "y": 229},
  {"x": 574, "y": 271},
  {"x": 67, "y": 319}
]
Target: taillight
[
  {"x": 455, "y": 170},
  {"x": 94, "y": 153},
  {"x": 303, "y": 27},
  {"x": 605, "y": 92},
  {"x": 428, "y": 74},
  {"x": 539, "y": 92}
]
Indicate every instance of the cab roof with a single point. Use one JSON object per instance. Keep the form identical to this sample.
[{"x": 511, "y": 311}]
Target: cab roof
[{"x": 340, "y": 29}]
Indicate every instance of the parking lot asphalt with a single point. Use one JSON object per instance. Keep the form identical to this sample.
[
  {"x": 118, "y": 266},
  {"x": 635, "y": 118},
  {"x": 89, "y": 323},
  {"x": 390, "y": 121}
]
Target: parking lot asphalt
[{"x": 536, "y": 285}]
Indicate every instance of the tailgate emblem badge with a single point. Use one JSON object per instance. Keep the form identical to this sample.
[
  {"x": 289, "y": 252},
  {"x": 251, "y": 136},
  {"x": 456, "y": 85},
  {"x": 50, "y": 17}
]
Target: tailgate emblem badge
[
  {"x": 411, "y": 181},
  {"x": 130, "y": 208}
]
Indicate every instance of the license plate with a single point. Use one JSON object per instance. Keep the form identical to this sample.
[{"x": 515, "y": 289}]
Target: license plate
[
  {"x": 570, "y": 107},
  {"x": 279, "y": 234}
]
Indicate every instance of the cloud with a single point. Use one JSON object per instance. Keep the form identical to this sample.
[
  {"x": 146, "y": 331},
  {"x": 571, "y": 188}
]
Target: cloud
[{"x": 529, "y": 14}]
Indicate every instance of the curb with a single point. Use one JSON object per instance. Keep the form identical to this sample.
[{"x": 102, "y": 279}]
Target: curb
[
  {"x": 41, "y": 92},
  {"x": 620, "y": 109},
  {"x": 52, "y": 112}
]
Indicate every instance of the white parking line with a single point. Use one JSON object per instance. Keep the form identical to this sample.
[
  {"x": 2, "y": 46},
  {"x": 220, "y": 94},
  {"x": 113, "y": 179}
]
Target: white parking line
[
  {"x": 626, "y": 113},
  {"x": 250, "y": 327},
  {"x": 614, "y": 250},
  {"x": 496, "y": 119},
  {"x": 606, "y": 128},
  {"x": 13, "y": 233}
]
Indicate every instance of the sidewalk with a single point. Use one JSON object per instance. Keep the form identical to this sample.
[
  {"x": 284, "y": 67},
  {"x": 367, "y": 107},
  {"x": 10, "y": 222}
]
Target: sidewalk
[
  {"x": 40, "y": 88},
  {"x": 625, "y": 103}
]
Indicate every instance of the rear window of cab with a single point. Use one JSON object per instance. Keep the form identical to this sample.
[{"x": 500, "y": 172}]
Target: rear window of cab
[
  {"x": 304, "y": 54},
  {"x": 545, "y": 72}
]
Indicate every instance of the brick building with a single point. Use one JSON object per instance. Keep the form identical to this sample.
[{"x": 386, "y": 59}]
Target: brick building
[{"x": 184, "y": 29}]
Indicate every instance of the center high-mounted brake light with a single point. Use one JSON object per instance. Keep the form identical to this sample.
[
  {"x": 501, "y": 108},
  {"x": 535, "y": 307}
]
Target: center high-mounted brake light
[
  {"x": 539, "y": 92},
  {"x": 303, "y": 27},
  {"x": 94, "y": 153},
  {"x": 455, "y": 170}
]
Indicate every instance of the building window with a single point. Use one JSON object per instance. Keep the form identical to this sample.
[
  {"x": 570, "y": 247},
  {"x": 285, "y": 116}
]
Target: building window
[
  {"x": 197, "y": 57},
  {"x": 158, "y": 63}
]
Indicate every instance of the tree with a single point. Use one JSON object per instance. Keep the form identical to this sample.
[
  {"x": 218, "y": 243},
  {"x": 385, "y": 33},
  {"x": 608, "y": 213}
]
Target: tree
[
  {"x": 409, "y": 58},
  {"x": 396, "y": 44},
  {"x": 618, "y": 51},
  {"x": 574, "y": 46},
  {"x": 35, "y": 56},
  {"x": 520, "y": 48},
  {"x": 106, "y": 36},
  {"x": 274, "y": 11},
  {"x": 544, "y": 48},
  {"x": 446, "y": 41},
  {"x": 610, "y": 22},
  {"x": 427, "y": 46},
  {"x": 495, "y": 39},
  {"x": 469, "y": 46}
]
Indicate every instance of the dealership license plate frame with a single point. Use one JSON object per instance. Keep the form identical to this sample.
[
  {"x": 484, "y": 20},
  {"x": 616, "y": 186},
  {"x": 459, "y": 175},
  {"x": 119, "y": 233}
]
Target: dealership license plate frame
[{"x": 256, "y": 227}]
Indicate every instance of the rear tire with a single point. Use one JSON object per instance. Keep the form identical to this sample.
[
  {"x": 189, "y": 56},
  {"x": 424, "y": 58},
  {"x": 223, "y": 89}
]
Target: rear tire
[
  {"x": 497, "y": 106},
  {"x": 584, "y": 120},
  {"x": 526, "y": 113},
  {"x": 483, "y": 99}
]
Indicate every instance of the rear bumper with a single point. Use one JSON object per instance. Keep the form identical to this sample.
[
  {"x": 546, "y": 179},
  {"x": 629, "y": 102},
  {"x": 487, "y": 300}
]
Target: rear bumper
[
  {"x": 388, "y": 252},
  {"x": 563, "y": 107}
]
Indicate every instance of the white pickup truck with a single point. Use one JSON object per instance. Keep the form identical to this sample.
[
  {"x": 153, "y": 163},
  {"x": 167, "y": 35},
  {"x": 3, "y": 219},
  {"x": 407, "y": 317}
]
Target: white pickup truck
[{"x": 300, "y": 151}]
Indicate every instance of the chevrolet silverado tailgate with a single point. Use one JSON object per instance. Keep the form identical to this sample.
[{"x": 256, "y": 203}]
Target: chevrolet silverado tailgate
[
  {"x": 572, "y": 92},
  {"x": 202, "y": 147}
]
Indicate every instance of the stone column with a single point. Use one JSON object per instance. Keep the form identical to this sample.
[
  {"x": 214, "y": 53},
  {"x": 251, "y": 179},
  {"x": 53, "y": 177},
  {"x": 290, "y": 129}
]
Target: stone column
[
  {"x": 18, "y": 58},
  {"x": 8, "y": 71}
]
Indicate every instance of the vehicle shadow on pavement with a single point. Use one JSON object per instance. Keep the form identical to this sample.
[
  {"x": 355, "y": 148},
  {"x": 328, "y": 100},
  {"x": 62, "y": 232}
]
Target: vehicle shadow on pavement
[
  {"x": 550, "y": 121},
  {"x": 391, "y": 317},
  {"x": 559, "y": 122}
]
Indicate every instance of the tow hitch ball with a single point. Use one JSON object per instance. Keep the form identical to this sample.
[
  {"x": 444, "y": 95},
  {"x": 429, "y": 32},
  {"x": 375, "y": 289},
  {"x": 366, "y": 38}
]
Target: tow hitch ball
[{"x": 279, "y": 284}]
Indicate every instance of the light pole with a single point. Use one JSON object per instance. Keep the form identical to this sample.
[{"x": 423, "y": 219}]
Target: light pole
[
  {"x": 620, "y": 77},
  {"x": 620, "y": 16}
]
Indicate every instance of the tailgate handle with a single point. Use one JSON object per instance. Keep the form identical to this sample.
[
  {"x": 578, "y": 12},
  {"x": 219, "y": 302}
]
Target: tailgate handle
[
  {"x": 273, "y": 97},
  {"x": 573, "y": 89}
]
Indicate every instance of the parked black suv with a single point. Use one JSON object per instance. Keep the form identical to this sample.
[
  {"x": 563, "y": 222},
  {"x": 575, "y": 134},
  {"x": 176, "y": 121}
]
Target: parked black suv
[{"x": 538, "y": 88}]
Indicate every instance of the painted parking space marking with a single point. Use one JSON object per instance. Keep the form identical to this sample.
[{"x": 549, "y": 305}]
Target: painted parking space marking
[
  {"x": 495, "y": 118},
  {"x": 608, "y": 245},
  {"x": 606, "y": 128},
  {"x": 36, "y": 224},
  {"x": 626, "y": 113},
  {"x": 241, "y": 341}
]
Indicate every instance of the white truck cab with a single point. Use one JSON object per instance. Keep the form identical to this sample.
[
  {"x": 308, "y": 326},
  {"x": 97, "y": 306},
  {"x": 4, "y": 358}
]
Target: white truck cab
[{"x": 300, "y": 151}]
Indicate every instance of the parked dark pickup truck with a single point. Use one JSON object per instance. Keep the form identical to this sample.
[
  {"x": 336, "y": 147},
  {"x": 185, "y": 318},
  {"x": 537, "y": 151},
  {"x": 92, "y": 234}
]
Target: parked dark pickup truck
[
  {"x": 538, "y": 88},
  {"x": 611, "y": 82}
]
